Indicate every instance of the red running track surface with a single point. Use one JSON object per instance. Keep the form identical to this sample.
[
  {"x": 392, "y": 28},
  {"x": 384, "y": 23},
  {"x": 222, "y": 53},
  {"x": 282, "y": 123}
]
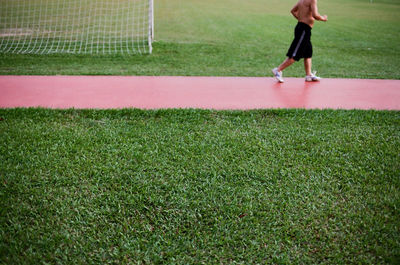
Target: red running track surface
[{"x": 147, "y": 92}]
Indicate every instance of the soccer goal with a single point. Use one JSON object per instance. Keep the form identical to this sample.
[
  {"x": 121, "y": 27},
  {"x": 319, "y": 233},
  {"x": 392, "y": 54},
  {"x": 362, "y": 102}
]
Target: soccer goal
[{"x": 76, "y": 26}]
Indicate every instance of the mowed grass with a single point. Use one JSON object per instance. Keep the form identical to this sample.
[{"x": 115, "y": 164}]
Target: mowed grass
[
  {"x": 244, "y": 38},
  {"x": 199, "y": 187}
]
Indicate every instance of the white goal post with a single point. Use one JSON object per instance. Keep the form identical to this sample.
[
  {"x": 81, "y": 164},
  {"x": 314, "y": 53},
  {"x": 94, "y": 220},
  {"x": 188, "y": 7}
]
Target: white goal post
[{"x": 76, "y": 26}]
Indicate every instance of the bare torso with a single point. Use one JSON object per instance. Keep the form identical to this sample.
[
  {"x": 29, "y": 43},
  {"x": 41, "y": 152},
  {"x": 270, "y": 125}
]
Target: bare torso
[{"x": 306, "y": 11}]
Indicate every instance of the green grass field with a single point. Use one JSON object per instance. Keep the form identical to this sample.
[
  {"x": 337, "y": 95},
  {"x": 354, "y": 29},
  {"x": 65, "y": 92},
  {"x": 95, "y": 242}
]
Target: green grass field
[
  {"x": 210, "y": 187},
  {"x": 199, "y": 187},
  {"x": 245, "y": 38}
]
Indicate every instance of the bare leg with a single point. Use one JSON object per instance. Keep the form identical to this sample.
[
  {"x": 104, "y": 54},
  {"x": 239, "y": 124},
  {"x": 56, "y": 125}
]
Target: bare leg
[
  {"x": 307, "y": 65},
  {"x": 286, "y": 63}
]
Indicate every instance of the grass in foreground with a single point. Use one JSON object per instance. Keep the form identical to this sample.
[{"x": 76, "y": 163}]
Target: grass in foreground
[
  {"x": 193, "y": 186},
  {"x": 244, "y": 38}
]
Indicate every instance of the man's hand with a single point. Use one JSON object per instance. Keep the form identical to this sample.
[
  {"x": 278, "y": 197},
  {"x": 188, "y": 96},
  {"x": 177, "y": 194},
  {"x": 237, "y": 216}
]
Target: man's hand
[{"x": 324, "y": 18}]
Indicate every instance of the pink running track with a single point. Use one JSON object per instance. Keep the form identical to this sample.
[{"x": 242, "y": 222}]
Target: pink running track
[{"x": 221, "y": 93}]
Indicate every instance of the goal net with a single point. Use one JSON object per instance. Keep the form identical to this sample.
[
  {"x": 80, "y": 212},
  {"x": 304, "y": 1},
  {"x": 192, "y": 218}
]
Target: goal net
[{"x": 76, "y": 26}]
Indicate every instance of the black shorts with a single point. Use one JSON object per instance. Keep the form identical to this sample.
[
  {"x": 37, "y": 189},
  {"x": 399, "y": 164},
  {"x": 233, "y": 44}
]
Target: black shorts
[{"x": 301, "y": 46}]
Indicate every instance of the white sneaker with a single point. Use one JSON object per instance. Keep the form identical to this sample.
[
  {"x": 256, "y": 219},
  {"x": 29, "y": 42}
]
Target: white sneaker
[
  {"x": 278, "y": 75},
  {"x": 312, "y": 77}
]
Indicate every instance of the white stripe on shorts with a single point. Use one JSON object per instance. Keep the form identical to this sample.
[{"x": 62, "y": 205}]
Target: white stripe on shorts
[{"x": 298, "y": 44}]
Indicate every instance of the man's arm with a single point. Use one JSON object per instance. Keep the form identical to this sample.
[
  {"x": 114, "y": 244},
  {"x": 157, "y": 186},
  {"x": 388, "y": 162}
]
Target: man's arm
[
  {"x": 295, "y": 11},
  {"x": 315, "y": 14}
]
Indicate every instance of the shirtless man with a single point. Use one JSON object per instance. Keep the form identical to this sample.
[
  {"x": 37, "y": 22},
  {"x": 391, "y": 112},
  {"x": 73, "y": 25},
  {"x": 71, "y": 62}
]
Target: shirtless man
[{"x": 306, "y": 12}]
